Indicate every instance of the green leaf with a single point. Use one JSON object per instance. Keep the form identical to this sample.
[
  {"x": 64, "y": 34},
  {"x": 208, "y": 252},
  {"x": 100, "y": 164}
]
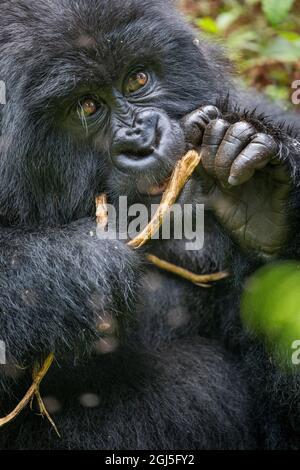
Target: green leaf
[
  {"x": 277, "y": 93},
  {"x": 225, "y": 19},
  {"x": 208, "y": 25},
  {"x": 290, "y": 36},
  {"x": 282, "y": 50},
  {"x": 243, "y": 40},
  {"x": 276, "y": 11}
]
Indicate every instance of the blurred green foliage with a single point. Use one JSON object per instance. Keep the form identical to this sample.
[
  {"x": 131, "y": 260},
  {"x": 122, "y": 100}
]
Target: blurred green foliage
[
  {"x": 261, "y": 36},
  {"x": 271, "y": 309}
]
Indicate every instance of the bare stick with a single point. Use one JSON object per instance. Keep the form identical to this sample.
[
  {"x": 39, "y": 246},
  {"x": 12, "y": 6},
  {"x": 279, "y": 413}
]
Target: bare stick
[
  {"x": 183, "y": 171},
  {"x": 44, "y": 411},
  {"x": 31, "y": 392},
  {"x": 200, "y": 280},
  {"x": 41, "y": 404},
  {"x": 101, "y": 211}
]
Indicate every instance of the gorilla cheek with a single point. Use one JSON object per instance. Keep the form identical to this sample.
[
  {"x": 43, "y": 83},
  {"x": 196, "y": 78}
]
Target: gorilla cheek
[{"x": 172, "y": 142}]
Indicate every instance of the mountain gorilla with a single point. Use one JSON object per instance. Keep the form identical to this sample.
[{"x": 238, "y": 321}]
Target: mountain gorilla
[{"x": 107, "y": 95}]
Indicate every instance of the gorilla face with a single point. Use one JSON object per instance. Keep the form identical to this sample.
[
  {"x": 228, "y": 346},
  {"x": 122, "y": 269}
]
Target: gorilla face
[
  {"x": 139, "y": 141},
  {"x": 96, "y": 91}
]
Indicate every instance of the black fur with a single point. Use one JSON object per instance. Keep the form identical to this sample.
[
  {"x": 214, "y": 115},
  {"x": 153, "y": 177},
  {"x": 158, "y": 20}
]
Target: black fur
[{"x": 186, "y": 374}]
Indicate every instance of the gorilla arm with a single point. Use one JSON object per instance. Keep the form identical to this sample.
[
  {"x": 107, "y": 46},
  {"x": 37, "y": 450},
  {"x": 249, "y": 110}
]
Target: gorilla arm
[{"x": 56, "y": 285}]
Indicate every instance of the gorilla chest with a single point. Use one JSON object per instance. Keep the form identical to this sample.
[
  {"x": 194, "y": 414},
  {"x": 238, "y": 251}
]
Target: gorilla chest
[{"x": 172, "y": 307}]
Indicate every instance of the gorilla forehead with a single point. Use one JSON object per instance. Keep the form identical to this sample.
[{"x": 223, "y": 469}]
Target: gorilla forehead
[
  {"x": 60, "y": 40},
  {"x": 100, "y": 28},
  {"x": 88, "y": 12}
]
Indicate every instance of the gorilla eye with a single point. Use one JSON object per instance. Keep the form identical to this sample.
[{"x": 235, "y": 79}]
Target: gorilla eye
[
  {"x": 136, "y": 81},
  {"x": 87, "y": 107}
]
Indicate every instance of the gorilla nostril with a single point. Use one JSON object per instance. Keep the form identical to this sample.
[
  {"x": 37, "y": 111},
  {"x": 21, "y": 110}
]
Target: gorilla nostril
[{"x": 133, "y": 132}]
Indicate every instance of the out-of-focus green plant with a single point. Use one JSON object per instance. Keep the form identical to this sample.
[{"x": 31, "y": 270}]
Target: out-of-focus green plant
[
  {"x": 271, "y": 310},
  {"x": 277, "y": 10},
  {"x": 261, "y": 36}
]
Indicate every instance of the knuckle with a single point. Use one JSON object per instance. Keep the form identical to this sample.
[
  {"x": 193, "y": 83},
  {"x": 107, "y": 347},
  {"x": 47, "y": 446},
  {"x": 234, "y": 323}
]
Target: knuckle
[
  {"x": 239, "y": 133},
  {"x": 201, "y": 118},
  {"x": 209, "y": 113},
  {"x": 216, "y": 129},
  {"x": 217, "y": 124},
  {"x": 214, "y": 134},
  {"x": 192, "y": 130},
  {"x": 193, "y": 121},
  {"x": 266, "y": 140},
  {"x": 242, "y": 129}
]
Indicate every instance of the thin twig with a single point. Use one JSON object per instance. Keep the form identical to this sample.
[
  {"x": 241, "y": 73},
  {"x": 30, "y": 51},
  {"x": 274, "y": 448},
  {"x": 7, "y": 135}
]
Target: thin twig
[
  {"x": 182, "y": 172},
  {"x": 31, "y": 392},
  {"x": 200, "y": 280},
  {"x": 41, "y": 404},
  {"x": 44, "y": 411},
  {"x": 101, "y": 211}
]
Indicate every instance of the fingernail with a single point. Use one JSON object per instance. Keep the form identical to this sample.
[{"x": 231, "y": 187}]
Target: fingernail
[{"x": 233, "y": 181}]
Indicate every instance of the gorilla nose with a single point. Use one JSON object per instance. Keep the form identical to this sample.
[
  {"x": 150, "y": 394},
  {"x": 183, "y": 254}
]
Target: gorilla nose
[
  {"x": 134, "y": 147},
  {"x": 134, "y": 143}
]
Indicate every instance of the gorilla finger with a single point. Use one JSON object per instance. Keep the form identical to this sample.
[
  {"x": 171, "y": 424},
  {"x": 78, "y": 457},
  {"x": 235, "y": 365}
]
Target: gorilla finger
[
  {"x": 194, "y": 124},
  {"x": 209, "y": 113},
  {"x": 254, "y": 157},
  {"x": 237, "y": 137},
  {"x": 213, "y": 136}
]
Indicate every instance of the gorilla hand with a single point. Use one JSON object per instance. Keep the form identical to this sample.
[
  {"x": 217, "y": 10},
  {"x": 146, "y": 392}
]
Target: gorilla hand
[{"x": 246, "y": 183}]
